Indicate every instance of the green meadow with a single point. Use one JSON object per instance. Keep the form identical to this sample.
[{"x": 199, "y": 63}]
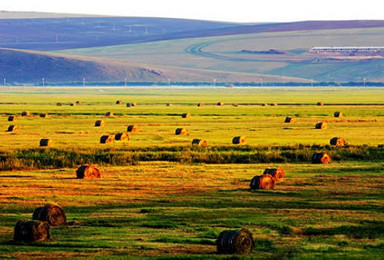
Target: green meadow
[{"x": 160, "y": 197}]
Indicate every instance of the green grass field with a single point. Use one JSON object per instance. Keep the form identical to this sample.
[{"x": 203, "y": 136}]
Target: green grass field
[{"x": 158, "y": 197}]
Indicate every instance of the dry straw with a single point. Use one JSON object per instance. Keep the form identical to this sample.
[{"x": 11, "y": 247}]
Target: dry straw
[
  {"x": 235, "y": 242},
  {"x": 238, "y": 140},
  {"x": 88, "y": 172},
  {"x": 181, "y": 131},
  {"x": 53, "y": 214},
  {"x": 106, "y": 139},
  {"x": 199, "y": 142},
  {"x": 321, "y": 158},
  {"x": 31, "y": 231},
  {"x": 264, "y": 182}
]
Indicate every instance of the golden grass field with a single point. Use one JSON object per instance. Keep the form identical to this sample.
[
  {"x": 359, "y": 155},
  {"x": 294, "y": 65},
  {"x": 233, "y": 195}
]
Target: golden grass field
[{"x": 165, "y": 205}]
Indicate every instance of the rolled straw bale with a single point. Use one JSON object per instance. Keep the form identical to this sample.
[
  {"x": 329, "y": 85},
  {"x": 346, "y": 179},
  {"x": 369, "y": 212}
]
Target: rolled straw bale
[
  {"x": 337, "y": 114},
  {"x": 72, "y": 104},
  {"x": 277, "y": 173},
  {"x": 181, "y": 131},
  {"x": 46, "y": 142},
  {"x": 119, "y": 102},
  {"x": 13, "y": 128},
  {"x": 133, "y": 128},
  {"x": 88, "y": 171},
  {"x": 321, "y": 125},
  {"x": 169, "y": 105},
  {"x": 289, "y": 119},
  {"x": 109, "y": 114},
  {"x": 12, "y": 118},
  {"x": 131, "y": 104},
  {"x": 186, "y": 115},
  {"x": 44, "y": 115},
  {"x": 78, "y": 102},
  {"x": 99, "y": 123},
  {"x": 235, "y": 242},
  {"x": 59, "y": 104},
  {"x": 321, "y": 158},
  {"x": 105, "y": 139},
  {"x": 337, "y": 141},
  {"x": 53, "y": 214},
  {"x": 31, "y": 231},
  {"x": 220, "y": 103},
  {"x": 238, "y": 140},
  {"x": 273, "y": 104},
  {"x": 235, "y": 104},
  {"x": 200, "y": 104},
  {"x": 199, "y": 142},
  {"x": 264, "y": 182},
  {"x": 320, "y": 103},
  {"x": 121, "y": 137},
  {"x": 25, "y": 113},
  {"x": 264, "y": 105}
]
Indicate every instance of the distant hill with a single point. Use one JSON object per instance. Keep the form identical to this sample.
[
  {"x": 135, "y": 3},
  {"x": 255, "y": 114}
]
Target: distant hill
[{"x": 21, "y": 67}]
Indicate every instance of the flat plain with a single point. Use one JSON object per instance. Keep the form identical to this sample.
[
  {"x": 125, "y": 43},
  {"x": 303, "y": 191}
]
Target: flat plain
[{"x": 160, "y": 197}]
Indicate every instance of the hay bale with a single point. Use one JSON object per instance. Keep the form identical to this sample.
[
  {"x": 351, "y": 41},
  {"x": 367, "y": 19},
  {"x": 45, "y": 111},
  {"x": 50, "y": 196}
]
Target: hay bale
[
  {"x": 277, "y": 173},
  {"x": 264, "y": 105},
  {"x": 31, "y": 231},
  {"x": 109, "y": 114},
  {"x": 99, "y": 123},
  {"x": 53, "y": 214},
  {"x": 186, "y": 115},
  {"x": 12, "y": 118},
  {"x": 46, "y": 142},
  {"x": 13, "y": 128},
  {"x": 181, "y": 131},
  {"x": 106, "y": 139},
  {"x": 199, "y": 142},
  {"x": 235, "y": 104},
  {"x": 321, "y": 125},
  {"x": 72, "y": 104},
  {"x": 86, "y": 171},
  {"x": 220, "y": 103},
  {"x": 321, "y": 158},
  {"x": 25, "y": 113},
  {"x": 133, "y": 128},
  {"x": 169, "y": 105},
  {"x": 131, "y": 104},
  {"x": 289, "y": 119},
  {"x": 320, "y": 103},
  {"x": 273, "y": 104},
  {"x": 238, "y": 140},
  {"x": 337, "y": 114},
  {"x": 121, "y": 137},
  {"x": 44, "y": 115},
  {"x": 235, "y": 242},
  {"x": 337, "y": 141},
  {"x": 263, "y": 182},
  {"x": 78, "y": 102},
  {"x": 200, "y": 104},
  {"x": 59, "y": 104},
  {"x": 119, "y": 102}
]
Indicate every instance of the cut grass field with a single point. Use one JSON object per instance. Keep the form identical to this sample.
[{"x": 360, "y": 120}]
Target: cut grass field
[{"x": 177, "y": 207}]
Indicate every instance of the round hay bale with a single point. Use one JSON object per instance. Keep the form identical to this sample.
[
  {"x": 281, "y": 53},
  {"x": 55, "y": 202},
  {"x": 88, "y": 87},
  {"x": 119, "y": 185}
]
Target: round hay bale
[
  {"x": 13, "y": 128},
  {"x": 99, "y": 123},
  {"x": 220, "y": 103},
  {"x": 337, "y": 141},
  {"x": 289, "y": 119},
  {"x": 235, "y": 104},
  {"x": 44, "y": 115},
  {"x": 25, "y": 113},
  {"x": 337, "y": 114},
  {"x": 119, "y": 102},
  {"x": 321, "y": 125},
  {"x": 277, "y": 173},
  {"x": 88, "y": 172},
  {"x": 321, "y": 158},
  {"x": 12, "y": 118},
  {"x": 131, "y": 104},
  {"x": 51, "y": 213},
  {"x": 200, "y": 104},
  {"x": 72, "y": 104},
  {"x": 320, "y": 103},
  {"x": 109, "y": 114},
  {"x": 169, "y": 105},
  {"x": 238, "y": 140},
  {"x": 121, "y": 137},
  {"x": 106, "y": 139},
  {"x": 263, "y": 182},
  {"x": 46, "y": 142},
  {"x": 273, "y": 104},
  {"x": 199, "y": 142},
  {"x": 186, "y": 115},
  {"x": 133, "y": 128},
  {"x": 59, "y": 104},
  {"x": 78, "y": 102},
  {"x": 181, "y": 131},
  {"x": 235, "y": 242},
  {"x": 31, "y": 231},
  {"x": 264, "y": 105}
]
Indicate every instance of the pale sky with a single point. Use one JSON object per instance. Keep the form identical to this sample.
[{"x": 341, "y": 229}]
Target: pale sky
[{"x": 219, "y": 10}]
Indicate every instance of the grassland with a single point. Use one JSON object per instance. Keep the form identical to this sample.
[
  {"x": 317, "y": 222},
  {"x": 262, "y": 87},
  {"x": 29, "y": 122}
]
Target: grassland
[{"x": 171, "y": 206}]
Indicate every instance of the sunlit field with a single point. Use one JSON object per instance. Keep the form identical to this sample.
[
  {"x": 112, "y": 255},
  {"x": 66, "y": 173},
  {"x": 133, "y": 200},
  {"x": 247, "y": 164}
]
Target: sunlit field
[{"x": 159, "y": 196}]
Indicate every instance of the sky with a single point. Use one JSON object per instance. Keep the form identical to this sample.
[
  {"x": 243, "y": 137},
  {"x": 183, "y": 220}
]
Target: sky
[{"x": 217, "y": 10}]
